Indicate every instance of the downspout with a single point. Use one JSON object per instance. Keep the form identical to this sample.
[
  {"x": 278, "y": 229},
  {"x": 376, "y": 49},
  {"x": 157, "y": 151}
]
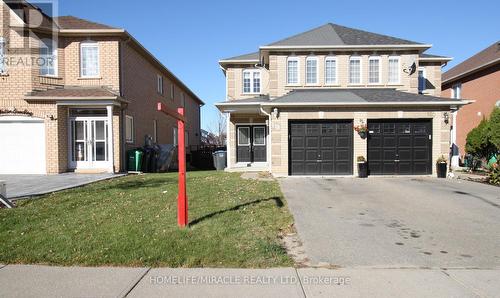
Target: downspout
[
  {"x": 269, "y": 143},
  {"x": 123, "y": 158}
]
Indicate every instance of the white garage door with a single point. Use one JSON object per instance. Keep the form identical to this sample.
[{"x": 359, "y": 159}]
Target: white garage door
[{"x": 22, "y": 145}]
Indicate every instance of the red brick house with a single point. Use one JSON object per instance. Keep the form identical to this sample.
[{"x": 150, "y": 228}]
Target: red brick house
[{"x": 477, "y": 78}]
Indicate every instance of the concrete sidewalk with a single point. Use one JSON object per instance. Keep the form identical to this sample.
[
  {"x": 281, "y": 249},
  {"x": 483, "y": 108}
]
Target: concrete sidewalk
[{"x": 45, "y": 281}]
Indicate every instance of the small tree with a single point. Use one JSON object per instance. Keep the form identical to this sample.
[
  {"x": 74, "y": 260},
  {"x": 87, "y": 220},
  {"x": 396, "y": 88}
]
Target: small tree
[
  {"x": 478, "y": 141},
  {"x": 494, "y": 128}
]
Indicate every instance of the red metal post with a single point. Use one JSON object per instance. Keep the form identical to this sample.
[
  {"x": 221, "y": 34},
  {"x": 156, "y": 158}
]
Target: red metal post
[{"x": 182, "y": 201}]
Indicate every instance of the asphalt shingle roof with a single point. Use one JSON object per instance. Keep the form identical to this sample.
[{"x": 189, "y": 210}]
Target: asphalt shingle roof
[
  {"x": 486, "y": 56},
  {"x": 71, "y": 22},
  {"x": 336, "y": 35},
  {"x": 249, "y": 56},
  {"x": 424, "y": 55},
  {"x": 76, "y": 92},
  {"x": 354, "y": 95}
]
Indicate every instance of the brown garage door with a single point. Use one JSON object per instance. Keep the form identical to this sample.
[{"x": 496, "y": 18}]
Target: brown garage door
[{"x": 320, "y": 148}]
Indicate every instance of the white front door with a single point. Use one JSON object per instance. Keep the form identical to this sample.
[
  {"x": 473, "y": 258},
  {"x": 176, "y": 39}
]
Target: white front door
[{"x": 89, "y": 143}]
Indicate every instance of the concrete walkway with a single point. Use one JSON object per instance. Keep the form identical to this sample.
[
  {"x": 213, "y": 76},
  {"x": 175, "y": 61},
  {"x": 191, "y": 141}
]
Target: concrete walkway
[
  {"x": 45, "y": 281},
  {"x": 21, "y": 186}
]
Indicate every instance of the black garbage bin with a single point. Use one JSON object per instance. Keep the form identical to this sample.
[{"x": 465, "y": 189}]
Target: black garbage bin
[{"x": 220, "y": 160}]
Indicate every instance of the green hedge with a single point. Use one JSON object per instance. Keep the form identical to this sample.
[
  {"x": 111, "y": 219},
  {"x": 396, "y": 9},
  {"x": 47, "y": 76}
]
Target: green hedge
[{"x": 484, "y": 140}]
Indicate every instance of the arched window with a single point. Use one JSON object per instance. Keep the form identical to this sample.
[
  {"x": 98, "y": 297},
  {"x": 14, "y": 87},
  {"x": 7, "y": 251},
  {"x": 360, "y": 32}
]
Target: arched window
[
  {"x": 292, "y": 71},
  {"x": 89, "y": 59},
  {"x": 331, "y": 70}
]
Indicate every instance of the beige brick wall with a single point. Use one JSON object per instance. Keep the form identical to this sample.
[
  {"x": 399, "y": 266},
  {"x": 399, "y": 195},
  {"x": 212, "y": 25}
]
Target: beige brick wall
[
  {"x": 279, "y": 131},
  {"x": 140, "y": 88},
  {"x": 433, "y": 75},
  {"x": 274, "y": 79},
  {"x": 234, "y": 77}
]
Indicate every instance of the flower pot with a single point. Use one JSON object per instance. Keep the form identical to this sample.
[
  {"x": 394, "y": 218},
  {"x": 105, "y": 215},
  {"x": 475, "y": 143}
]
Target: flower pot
[
  {"x": 362, "y": 134},
  {"x": 362, "y": 169},
  {"x": 442, "y": 167}
]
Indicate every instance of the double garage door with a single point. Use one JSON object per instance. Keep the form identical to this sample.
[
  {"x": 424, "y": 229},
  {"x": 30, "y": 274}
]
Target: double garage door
[{"x": 395, "y": 147}]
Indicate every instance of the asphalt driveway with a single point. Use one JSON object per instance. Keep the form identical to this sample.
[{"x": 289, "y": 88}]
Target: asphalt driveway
[{"x": 396, "y": 222}]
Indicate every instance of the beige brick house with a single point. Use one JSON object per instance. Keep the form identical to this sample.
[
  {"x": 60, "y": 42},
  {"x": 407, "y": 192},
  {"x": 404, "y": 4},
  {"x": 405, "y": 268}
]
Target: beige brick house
[
  {"x": 76, "y": 95},
  {"x": 294, "y": 104}
]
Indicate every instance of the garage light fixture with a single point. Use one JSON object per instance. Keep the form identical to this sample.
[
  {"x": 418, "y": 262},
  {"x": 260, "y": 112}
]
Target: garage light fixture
[{"x": 446, "y": 117}]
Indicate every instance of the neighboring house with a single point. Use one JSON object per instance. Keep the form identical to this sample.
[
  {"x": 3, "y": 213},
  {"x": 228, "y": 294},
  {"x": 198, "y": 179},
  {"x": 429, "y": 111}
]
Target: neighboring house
[
  {"x": 477, "y": 78},
  {"x": 293, "y": 104},
  {"x": 93, "y": 102}
]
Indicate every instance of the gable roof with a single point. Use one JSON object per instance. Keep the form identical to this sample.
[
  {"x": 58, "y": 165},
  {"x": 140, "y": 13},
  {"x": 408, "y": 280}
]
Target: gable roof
[
  {"x": 483, "y": 59},
  {"x": 71, "y": 22},
  {"x": 337, "y": 35}
]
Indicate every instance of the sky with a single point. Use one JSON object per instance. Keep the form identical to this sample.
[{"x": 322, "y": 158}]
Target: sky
[{"x": 190, "y": 37}]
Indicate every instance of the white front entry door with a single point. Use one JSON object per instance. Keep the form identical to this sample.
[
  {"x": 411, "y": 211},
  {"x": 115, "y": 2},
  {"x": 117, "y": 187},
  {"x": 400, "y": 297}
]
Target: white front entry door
[
  {"x": 89, "y": 143},
  {"x": 22, "y": 145}
]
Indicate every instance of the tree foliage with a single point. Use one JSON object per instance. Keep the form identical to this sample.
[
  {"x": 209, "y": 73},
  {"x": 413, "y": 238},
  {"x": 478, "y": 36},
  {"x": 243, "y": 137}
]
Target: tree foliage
[{"x": 484, "y": 140}]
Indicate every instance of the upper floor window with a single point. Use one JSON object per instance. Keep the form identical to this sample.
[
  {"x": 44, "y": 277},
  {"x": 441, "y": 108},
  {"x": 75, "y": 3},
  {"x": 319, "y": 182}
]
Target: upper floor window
[
  {"x": 292, "y": 71},
  {"x": 355, "y": 70},
  {"x": 183, "y": 99},
  {"x": 311, "y": 70},
  {"x": 159, "y": 84},
  {"x": 374, "y": 70},
  {"x": 330, "y": 70},
  {"x": 48, "y": 57},
  {"x": 3, "y": 68},
  {"x": 89, "y": 55},
  {"x": 457, "y": 91},
  {"x": 251, "y": 81},
  {"x": 421, "y": 80},
  {"x": 172, "y": 91},
  {"x": 393, "y": 70}
]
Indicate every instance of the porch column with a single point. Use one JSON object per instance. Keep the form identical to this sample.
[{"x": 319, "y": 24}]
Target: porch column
[{"x": 111, "y": 155}]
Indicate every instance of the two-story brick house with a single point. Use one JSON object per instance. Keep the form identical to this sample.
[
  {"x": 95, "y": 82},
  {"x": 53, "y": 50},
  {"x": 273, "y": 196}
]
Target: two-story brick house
[
  {"x": 76, "y": 95},
  {"x": 294, "y": 104}
]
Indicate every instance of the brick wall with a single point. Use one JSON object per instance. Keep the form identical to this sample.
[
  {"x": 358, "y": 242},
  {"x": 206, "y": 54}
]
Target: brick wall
[
  {"x": 484, "y": 88},
  {"x": 140, "y": 88}
]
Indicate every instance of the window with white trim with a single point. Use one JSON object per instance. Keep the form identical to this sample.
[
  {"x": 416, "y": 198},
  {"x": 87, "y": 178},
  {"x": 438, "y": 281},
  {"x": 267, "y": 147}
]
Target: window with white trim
[
  {"x": 159, "y": 84},
  {"x": 3, "y": 46},
  {"x": 374, "y": 70},
  {"x": 393, "y": 68},
  {"x": 330, "y": 70},
  {"x": 292, "y": 71},
  {"x": 355, "y": 70},
  {"x": 129, "y": 129},
  {"x": 457, "y": 91},
  {"x": 89, "y": 59},
  {"x": 311, "y": 70},
  {"x": 48, "y": 57},
  {"x": 251, "y": 81},
  {"x": 421, "y": 80}
]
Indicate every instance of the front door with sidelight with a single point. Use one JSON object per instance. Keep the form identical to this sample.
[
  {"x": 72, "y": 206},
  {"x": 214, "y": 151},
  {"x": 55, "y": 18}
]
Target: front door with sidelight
[
  {"x": 251, "y": 143},
  {"x": 89, "y": 143}
]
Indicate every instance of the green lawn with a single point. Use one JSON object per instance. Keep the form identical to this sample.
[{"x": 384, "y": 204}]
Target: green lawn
[{"x": 132, "y": 221}]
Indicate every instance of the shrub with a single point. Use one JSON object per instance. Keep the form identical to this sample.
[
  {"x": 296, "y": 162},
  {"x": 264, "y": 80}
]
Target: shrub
[
  {"x": 361, "y": 158},
  {"x": 494, "y": 128},
  {"x": 478, "y": 141},
  {"x": 494, "y": 175}
]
